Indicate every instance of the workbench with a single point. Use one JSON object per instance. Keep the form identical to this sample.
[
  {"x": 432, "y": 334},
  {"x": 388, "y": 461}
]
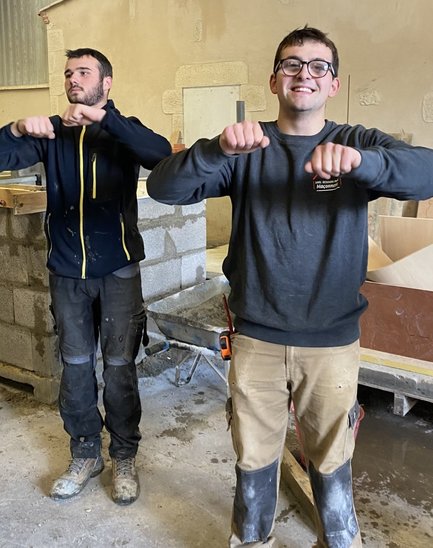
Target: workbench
[
  {"x": 408, "y": 379},
  {"x": 397, "y": 343}
]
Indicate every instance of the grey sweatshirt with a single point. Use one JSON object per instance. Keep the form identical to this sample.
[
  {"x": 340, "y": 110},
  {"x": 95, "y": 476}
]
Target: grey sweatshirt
[{"x": 298, "y": 249}]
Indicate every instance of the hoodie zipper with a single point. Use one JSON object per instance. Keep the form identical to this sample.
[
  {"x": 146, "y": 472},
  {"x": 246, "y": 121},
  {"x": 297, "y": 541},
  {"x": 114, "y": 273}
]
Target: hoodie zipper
[{"x": 81, "y": 158}]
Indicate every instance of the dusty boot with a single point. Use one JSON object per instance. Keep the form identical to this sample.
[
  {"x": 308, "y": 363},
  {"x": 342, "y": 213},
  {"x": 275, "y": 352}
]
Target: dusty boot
[
  {"x": 76, "y": 477},
  {"x": 126, "y": 487}
]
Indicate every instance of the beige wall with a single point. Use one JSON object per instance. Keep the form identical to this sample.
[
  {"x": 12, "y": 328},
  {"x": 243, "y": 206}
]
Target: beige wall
[
  {"x": 24, "y": 102},
  {"x": 385, "y": 47},
  {"x": 386, "y": 51}
]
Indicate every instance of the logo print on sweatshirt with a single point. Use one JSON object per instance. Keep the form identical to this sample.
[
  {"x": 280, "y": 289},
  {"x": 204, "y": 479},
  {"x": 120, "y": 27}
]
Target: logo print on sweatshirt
[{"x": 326, "y": 185}]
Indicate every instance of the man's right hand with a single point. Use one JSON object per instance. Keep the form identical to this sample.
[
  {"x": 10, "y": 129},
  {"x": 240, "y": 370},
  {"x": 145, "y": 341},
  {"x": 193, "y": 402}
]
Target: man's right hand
[
  {"x": 35, "y": 126},
  {"x": 243, "y": 138}
]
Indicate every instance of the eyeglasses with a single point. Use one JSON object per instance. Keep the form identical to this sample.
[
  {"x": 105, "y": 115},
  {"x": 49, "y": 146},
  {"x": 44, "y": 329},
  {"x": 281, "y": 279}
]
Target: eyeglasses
[{"x": 316, "y": 68}]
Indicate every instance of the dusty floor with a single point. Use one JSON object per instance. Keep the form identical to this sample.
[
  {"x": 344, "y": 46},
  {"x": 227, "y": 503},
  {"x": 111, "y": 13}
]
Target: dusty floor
[{"x": 186, "y": 470}]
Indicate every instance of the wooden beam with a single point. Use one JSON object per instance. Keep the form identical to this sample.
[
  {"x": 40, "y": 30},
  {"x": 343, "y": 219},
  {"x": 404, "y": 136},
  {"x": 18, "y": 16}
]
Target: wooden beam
[
  {"x": 23, "y": 199},
  {"x": 296, "y": 479}
]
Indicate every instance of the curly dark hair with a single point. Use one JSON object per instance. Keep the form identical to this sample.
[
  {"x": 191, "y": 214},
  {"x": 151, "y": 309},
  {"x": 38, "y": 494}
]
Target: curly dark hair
[{"x": 297, "y": 38}]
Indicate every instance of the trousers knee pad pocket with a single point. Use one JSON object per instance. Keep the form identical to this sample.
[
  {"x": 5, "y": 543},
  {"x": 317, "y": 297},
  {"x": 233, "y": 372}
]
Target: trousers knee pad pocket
[{"x": 137, "y": 334}]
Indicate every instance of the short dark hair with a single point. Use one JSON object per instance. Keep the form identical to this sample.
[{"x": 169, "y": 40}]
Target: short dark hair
[
  {"x": 297, "y": 38},
  {"x": 105, "y": 68}
]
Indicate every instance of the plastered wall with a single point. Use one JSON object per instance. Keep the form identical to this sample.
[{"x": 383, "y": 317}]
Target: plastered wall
[
  {"x": 160, "y": 47},
  {"x": 19, "y": 103},
  {"x": 385, "y": 47}
]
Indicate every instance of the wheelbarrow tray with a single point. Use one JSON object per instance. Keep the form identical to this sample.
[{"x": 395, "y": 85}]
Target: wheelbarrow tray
[{"x": 195, "y": 315}]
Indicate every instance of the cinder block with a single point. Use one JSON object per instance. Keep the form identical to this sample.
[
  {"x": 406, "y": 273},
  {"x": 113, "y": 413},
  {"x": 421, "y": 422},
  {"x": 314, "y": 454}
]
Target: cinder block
[
  {"x": 37, "y": 267},
  {"x": 28, "y": 227},
  {"x": 193, "y": 269},
  {"x": 7, "y": 305},
  {"x": 4, "y": 215},
  {"x": 13, "y": 263},
  {"x": 194, "y": 209},
  {"x": 155, "y": 244},
  {"x": 151, "y": 209},
  {"x": 45, "y": 356},
  {"x": 31, "y": 309},
  {"x": 160, "y": 279},
  {"x": 18, "y": 350},
  {"x": 191, "y": 236}
]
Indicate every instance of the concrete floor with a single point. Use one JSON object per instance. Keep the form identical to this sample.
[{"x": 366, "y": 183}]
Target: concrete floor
[
  {"x": 186, "y": 469},
  {"x": 185, "y": 462}
]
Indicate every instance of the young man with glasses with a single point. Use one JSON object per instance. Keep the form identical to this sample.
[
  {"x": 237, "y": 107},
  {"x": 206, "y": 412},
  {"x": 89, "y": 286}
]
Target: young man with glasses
[{"x": 297, "y": 258}]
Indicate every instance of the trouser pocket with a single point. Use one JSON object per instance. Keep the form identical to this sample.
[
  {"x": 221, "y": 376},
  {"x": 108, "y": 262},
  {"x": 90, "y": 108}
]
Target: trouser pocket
[
  {"x": 231, "y": 426},
  {"x": 137, "y": 334}
]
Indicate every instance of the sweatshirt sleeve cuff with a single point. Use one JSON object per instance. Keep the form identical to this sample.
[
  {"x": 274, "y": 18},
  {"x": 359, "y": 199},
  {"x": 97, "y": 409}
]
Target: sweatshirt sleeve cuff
[{"x": 367, "y": 173}]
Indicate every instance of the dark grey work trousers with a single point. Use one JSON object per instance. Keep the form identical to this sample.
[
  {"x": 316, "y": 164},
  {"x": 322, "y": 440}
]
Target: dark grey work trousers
[{"x": 108, "y": 309}]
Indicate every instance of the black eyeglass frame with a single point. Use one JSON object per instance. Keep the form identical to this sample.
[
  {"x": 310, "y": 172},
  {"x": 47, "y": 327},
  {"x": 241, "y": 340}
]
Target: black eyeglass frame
[{"x": 330, "y": 68}]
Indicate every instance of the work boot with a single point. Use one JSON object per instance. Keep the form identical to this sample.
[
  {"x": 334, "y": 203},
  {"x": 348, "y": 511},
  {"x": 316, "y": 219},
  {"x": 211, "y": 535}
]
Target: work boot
[
  {"x": 126, "y": 487},
  {"x": 76, "y": 477}
]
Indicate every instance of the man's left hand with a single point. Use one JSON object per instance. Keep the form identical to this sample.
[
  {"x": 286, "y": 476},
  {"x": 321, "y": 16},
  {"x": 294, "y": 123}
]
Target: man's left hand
[
  {"x": 332, "y": 160},
  {"x": 82, "y": 115}
]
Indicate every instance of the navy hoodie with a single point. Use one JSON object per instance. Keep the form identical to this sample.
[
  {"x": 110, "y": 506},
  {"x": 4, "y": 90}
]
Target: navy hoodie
[{"x": 91, "y": 174}]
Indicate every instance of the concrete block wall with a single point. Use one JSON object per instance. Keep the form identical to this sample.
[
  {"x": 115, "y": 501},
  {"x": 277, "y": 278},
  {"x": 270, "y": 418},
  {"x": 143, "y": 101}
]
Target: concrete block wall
[
  {"x": 175, "y": 244},
  {"x": 28, "y": 352}
]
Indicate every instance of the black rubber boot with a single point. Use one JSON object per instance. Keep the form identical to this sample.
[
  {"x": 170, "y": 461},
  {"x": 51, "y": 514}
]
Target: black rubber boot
[{"x": 334, "y": 504}]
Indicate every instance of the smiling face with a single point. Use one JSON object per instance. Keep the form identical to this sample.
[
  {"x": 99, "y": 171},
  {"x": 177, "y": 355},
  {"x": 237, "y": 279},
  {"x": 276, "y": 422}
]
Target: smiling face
[
  {"x": 303, "y": 96},
  {"x": 83, "y": 82}
]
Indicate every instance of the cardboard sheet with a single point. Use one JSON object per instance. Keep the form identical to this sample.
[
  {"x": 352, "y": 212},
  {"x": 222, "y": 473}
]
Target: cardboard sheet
[
  {"x": 377, "y": 258},
  {"x": 425, "y": 209},
  {"x": 401, "y": 236},
  {"x": 406, "y": 256},
  {"x": 415, "y": 271}
]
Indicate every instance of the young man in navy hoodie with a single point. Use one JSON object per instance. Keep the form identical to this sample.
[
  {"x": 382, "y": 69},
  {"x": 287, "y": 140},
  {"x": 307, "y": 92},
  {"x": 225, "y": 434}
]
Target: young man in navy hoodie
[
  {"x": 297, "y": 257},
  {"x": 92, "y": 156}
]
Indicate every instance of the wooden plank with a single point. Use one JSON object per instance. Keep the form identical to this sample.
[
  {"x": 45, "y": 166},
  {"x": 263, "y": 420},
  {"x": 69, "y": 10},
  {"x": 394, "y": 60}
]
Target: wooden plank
[
  {"x": 297, "y": 481},
  {"x": 12, "y": 188},
  {"x": 394, "y": 361},
  {"x": 35, "y": 202},
  {"x": 23, "y": 199}
]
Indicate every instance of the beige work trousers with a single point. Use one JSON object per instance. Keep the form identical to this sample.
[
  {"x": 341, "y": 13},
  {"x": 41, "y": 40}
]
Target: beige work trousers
[{"x": 264, "y": 379}]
